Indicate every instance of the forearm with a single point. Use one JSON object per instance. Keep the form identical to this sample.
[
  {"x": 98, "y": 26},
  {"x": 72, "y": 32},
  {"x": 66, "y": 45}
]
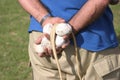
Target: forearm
[
  {"x": 34, "y": 8},
  {"x": 88, "y": 13}
]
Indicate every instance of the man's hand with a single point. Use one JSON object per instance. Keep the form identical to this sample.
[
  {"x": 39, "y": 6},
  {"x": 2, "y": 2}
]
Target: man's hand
[
  {"x": 48, "y": 51},
  {"x": 53, "y": 20},
  {"x": 44, "y": 50}
]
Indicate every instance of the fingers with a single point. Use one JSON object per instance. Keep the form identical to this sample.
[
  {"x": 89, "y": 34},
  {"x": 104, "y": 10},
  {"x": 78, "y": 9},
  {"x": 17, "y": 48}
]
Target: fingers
[
  {"x": 49, "y": 52},
  {"x": 39, "y": 39},
  {"x": 53, "y": 20},
  {"x": 59, "y": 50},
  {"x": 66, "y": 44},
  {"x": 41, "y": 54},
  {"x": 67, "y": 37}
]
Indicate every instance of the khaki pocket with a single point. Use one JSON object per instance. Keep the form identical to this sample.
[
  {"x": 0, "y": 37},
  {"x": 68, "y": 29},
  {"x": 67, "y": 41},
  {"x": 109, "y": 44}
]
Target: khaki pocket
[{"x": 107, "y": 65}]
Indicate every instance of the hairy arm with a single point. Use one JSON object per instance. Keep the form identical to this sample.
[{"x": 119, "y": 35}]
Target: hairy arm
[
  {"x": 38, "y": 11},
  {"x": 34, "y": 7},
  {"x": 88, "y": 13}
]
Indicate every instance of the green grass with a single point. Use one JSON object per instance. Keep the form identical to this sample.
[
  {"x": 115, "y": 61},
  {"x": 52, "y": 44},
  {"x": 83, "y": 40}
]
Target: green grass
[
  {"x": 116, "y": 13},
  {"x": 14, "y": 23},
  {"x": 13, "y": 41}
]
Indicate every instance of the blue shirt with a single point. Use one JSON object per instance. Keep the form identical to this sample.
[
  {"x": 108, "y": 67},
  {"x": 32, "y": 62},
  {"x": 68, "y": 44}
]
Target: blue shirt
[{"x": 97, "y": 36}]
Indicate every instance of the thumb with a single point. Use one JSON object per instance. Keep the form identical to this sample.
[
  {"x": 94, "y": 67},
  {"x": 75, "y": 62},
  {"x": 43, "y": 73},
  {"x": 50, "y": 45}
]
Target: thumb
[
  {"x": 38, "y": 41},
  {"x": 66, "y": 44}
]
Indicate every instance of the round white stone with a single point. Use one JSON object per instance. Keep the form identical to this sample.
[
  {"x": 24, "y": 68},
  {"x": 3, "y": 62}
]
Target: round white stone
[
  {"x": 59, "y": 41},
  {"x": 63, "y": 29},
  {"x": 39, "y": 48},
  {"x": 47, "y": 28}
]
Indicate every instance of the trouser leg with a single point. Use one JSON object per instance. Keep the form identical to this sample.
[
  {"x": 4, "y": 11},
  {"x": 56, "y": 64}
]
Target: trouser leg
[{"x": 103, "y": 65}]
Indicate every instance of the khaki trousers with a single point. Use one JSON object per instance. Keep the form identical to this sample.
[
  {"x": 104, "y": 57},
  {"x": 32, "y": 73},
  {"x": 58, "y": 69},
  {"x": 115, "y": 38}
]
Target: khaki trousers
[{"x": 103, "y": 65}]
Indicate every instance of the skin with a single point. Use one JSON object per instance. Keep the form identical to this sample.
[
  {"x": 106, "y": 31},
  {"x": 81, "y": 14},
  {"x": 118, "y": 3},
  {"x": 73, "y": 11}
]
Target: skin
[{"x": 91, "y": 10}]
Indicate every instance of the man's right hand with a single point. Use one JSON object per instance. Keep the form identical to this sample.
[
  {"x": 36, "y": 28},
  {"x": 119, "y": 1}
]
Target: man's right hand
[{"x": 53, "y": 20}]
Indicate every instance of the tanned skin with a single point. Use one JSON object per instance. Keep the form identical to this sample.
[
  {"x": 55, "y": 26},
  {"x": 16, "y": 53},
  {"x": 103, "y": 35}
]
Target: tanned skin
[{"x": 90, "y": 11}]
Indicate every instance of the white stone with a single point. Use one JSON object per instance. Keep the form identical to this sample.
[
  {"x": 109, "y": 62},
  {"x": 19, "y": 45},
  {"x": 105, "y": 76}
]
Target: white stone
[
  {"x": 59, "y": 41},
  {"x": 39, "y": 48},
  {"x": 63, "y": 29},
  {"x": 47, "y": 28}
]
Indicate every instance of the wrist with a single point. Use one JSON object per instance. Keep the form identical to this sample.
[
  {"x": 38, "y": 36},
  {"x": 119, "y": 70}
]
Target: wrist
[
  {"x": 44, "y": 18},
  {"x": 73, "y": 29}
]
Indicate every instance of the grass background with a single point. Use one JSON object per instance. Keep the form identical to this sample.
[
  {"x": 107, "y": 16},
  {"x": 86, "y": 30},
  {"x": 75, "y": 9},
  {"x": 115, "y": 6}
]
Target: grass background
[{"x": 14, "y": 22}]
